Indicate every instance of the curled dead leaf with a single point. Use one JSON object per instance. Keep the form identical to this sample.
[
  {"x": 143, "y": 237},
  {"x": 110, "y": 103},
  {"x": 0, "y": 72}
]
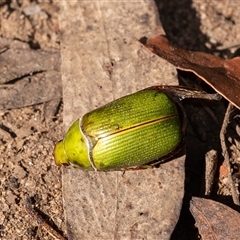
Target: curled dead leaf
[{"x": 222, "y": 75}]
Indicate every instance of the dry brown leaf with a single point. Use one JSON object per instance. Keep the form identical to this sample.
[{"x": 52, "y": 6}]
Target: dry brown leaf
[
  {"x": 222, "y": 75},
  {"x": 142, "y": 204},
  {"x": 215, "y": 220}
]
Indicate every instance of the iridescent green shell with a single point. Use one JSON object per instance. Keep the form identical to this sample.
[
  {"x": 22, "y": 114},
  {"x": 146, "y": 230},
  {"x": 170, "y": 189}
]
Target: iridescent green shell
[{"x": 129, "y": 132}]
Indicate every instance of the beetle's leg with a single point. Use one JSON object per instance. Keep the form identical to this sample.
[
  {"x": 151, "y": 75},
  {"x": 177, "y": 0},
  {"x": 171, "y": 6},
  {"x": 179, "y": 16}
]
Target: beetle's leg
[{"x": 179, "y": 93}]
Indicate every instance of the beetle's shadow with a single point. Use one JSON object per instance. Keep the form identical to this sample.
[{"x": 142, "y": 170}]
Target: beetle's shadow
[{"x": 182, "y": 27}]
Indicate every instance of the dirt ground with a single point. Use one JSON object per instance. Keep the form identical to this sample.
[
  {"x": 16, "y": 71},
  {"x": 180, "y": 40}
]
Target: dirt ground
[{"x": 28, "y": 134}]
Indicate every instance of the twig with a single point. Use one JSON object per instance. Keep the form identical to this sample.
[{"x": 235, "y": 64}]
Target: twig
[
  {"x": 4, "y": 49},
  {"x": 30, "y": 210},
  {"x": 211, "y": 161},
  {"x": 226, "y": 155}
]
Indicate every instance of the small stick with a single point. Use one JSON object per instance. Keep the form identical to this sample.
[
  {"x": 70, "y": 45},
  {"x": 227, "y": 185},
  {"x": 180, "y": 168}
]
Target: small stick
[
  {"x": 226, "y": 155},
  {"x": 4, "y": 49},
  {"x": 30, "y": 210},
  {"x": 211, "y": 161}
]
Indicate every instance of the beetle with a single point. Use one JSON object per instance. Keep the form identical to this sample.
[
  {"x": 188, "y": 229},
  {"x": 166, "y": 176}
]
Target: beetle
[{"x": 134, "y": 131}]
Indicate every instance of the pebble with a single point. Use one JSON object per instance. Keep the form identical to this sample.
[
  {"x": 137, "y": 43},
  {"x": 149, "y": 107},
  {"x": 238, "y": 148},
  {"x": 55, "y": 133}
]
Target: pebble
[
  {"x": 19, "y": 172},
  {"x": 31, "y": 10}
]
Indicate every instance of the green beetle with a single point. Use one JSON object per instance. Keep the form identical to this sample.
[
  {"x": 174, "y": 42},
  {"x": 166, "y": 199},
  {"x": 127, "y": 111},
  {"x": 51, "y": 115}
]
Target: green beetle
[{"x": 130, "y": 132}]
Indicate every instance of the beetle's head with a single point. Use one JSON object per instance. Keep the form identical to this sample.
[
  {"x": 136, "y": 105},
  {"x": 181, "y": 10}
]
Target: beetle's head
[
  {"x": 60, "y": 154},
  {"x": 73, "y": 149}
]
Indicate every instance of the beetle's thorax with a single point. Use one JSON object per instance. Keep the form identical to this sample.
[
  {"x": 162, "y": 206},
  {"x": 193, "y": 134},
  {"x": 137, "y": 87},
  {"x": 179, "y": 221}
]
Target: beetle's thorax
[{"x": 89, "y": 145}]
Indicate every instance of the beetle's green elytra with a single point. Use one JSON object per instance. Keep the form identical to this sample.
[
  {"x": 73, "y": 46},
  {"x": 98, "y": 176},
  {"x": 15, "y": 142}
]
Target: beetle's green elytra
[{"x": 129, "y": 132}]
